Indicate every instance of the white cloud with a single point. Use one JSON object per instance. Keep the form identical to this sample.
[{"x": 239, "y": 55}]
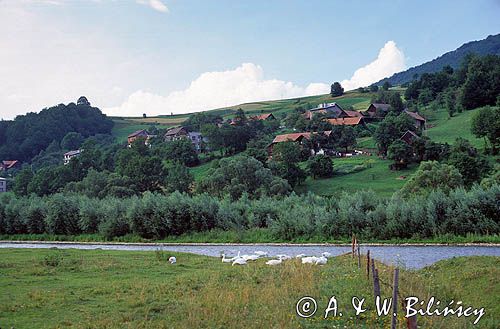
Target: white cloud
[
  {"x": 157, "y": 5},
  {"x": 213, "y": 90},
  {"x": 390, "y": 60}
]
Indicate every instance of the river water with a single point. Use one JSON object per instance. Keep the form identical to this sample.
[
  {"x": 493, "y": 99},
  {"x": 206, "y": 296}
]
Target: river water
[{"x": 410, "y": 257}]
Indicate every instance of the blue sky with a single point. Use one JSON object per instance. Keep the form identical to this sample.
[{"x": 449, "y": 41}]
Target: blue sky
[{"x": 162, "y": 56}]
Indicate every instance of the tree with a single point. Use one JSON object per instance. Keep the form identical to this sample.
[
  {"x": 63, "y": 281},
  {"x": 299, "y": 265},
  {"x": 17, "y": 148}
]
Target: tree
[
  {"x": 240, "y": 174},
  {"x": 391, "y": 129},
  {"x": 486, "y": 123},
  {"x": 72, "y": 141},
  {"x": 286, "y": 156},
  {"x": 470, "y": 163},
  {"x": 347, "y": 138},
  {"x": 386, "y": 85},
  {"x": 320, "y": 166},
  {"x": 396, "y": 102},
  {"x": 432, "y": 175},
  {"x": 450, "y": 103},
  {"x": 336, "y": 89},
  {"x": 22, "y": 180},
  {"x": 373, "y": 88},
  {"x": 179, "y": 178},
  {"x": 181, "y": 150},
  {"x": 400, "y": 152}
]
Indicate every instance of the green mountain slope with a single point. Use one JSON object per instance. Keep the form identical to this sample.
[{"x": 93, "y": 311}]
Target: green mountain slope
[{"x": 490, "y": 45}]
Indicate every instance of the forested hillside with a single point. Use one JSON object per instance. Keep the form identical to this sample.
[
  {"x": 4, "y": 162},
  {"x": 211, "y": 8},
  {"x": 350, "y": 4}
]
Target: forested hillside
[
  {"x": 490, "y": 45},
  {"x": 28, "y": 135}
]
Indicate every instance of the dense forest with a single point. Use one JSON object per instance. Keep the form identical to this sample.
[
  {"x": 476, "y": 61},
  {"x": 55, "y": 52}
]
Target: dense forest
[
  {"x": 490, "y": 45},
  {"x": 25, "y": 137}
]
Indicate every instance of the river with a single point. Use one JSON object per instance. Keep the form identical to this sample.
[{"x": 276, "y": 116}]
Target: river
[{"x": 410, "y": 257}]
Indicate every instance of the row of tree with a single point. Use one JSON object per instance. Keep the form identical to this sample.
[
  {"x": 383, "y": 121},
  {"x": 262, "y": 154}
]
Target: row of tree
[{"x": 151, "y": 215}]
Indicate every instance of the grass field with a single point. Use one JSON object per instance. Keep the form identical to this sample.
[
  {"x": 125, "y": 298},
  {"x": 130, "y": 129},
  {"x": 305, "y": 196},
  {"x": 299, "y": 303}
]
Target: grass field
[
  {"x": 116, "y": 289},
  {"x": 373, "y": 174},
  {"x": 446, "y": 130}
]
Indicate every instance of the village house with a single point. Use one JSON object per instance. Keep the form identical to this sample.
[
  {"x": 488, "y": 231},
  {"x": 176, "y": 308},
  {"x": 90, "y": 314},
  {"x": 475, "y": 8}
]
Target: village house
[
  {"x": 263, "y": 117},
  {"x": 70, "y": 155},
  {"x": 294, "y": 137},
  {"x": 377, "y": 110},
  {"x": 199, "y": 142},
  {"x": 137, "y": 134},
  {"x": 330, "y": 110},
  {"x": 418, "y": 120},
  {"x": 174, "y": 134},
  {"x": 9, "y": 164},
  {"x": 409, "y": 137},
  {"x": 3, "y": 185}
]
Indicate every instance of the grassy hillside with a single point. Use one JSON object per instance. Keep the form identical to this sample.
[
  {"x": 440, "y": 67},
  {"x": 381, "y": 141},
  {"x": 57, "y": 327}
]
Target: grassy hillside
[
  {"x": 446, "y": 130},
  {"x": 125, "y": 126},
  {"x": 359, "y": 173}
]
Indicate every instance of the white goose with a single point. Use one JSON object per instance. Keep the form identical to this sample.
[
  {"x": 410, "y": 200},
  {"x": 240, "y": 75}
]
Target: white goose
[
  {"x": 250, "y": 257},
  {"x": 172, "y": 260},
  {"x": 326, "y": 254},
  {"x": 321, "y": 260},
  {"x": 274, "y": 261},
  {"x": 260, "y": 253},
  {"x": 309, "y": 260},
  {"x": 239, "y": 261},
  {"x": 300, "y": 256}
]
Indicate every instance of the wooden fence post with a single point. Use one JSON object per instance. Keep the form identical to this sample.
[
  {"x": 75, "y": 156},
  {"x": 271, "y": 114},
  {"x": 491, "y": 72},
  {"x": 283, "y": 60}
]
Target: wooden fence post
[
  {"x": 411, "y": 322},
  {"x": 376, "y": 284},
  {"x": 395, "y": 298},
  {"x": 368, "y": 264},
  {"x": 359, "y": 255},
  {"x": 353, "y": 241}
]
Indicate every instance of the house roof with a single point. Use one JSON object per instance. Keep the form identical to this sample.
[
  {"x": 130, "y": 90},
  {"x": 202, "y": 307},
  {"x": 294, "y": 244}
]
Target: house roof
[
  {"x": 351, "y": 121},
  {"x": 138, "y": 133},
  {"x": 72, "y": 153},
  {"x": 291, "y": 137},
  {"x": 296, "y": 136},
  {"x": 262, "y": 116},
  {"x": 409, "y": 136},
  {"x": 353, "y": 113},
  {"x": 381, "y": 106},
  {"x": 415, "y": 115},
  {"x": 326, "y": 106},
  {"x": 7, "y": 164},
  {"x": 174, "y": 131}
]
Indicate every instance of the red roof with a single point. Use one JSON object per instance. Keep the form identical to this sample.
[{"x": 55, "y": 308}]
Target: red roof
[
  {"x": 262, "y": 116},
  {"x": 345, "y": 121},
  {"x": 415, "y": 115}
]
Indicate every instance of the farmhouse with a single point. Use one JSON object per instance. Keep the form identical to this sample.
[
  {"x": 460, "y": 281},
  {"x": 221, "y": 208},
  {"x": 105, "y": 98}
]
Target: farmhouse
[
  {"x": 330, "y": 110},
  {"x": 199, "y": 142},
  {"x": 70, "y": 155},
  {"x": 137, "y": 134},
  {"x": 418, "y": 120},
  {"x": 377, "y": 110},
  {"x": 409, "y": 137},
  {"x": 175, "y": 134},
  {"x": 263, "y": 117},
  {"x": 3, "y": 185},
  {"x": 9, "y": 164},
  {"x": 294, "y": 137}
]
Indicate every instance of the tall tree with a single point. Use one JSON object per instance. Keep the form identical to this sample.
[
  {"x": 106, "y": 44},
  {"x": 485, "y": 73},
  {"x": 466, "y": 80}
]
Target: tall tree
[{"x": 336, "y": 89}]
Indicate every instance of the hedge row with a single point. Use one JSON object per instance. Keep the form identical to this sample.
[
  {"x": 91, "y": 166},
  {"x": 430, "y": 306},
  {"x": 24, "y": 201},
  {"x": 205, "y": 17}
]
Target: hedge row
[{"x": 156, "y": 216}]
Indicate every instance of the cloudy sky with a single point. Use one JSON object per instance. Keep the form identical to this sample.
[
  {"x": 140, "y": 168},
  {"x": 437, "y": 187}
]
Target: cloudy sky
[{"x": 161, "y": 56}]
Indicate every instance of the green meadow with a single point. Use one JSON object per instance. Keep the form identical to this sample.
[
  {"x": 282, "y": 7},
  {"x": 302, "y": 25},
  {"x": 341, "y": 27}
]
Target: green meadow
[{"x": 116, "y": 289}]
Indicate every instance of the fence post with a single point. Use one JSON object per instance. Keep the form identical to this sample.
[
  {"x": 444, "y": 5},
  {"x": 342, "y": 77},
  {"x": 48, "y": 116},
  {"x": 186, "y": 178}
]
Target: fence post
[
  {"x": 411, "y": 322},
  {"x": 395, "y": 298},
  {"x": 368, "y": 264},
  {"x": 359, "y": 255},
  {"x": 376, "y": 284},
  {"x": 353, "y": 241}
]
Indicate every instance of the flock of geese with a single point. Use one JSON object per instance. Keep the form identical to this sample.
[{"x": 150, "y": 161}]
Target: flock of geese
[{"x": 244, "y": 259}]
